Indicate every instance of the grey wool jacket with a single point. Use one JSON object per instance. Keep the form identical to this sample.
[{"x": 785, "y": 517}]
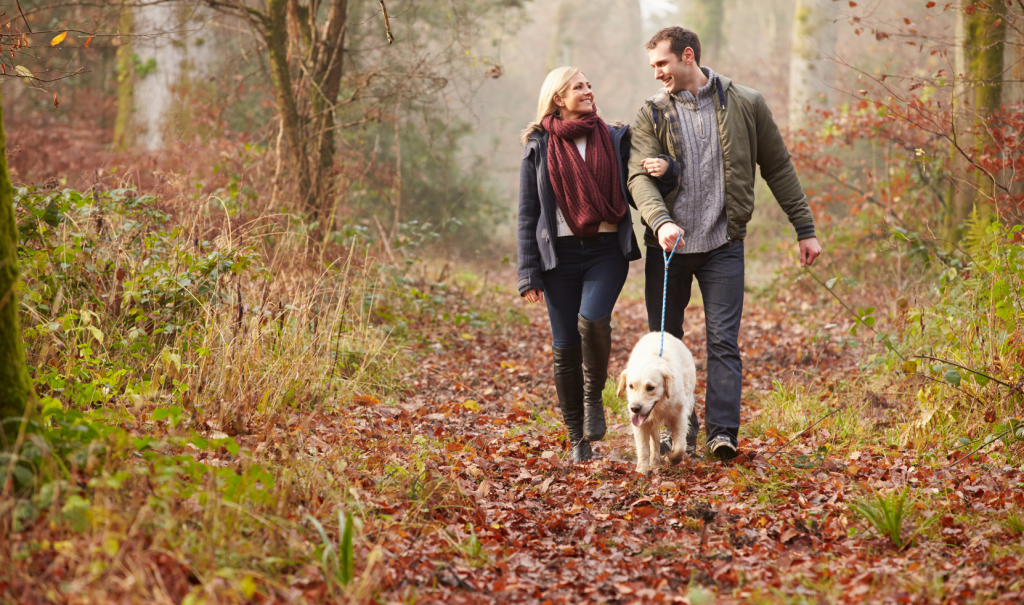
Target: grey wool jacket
[{"x": 749, "y": 139}]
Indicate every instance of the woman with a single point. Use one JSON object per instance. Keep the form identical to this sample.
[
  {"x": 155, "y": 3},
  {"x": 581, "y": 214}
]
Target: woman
[{"x": 576, "y": 241}]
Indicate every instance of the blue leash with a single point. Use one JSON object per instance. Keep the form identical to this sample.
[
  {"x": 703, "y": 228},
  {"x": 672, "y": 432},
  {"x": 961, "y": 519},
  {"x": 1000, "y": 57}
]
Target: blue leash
[{"x": 664, "y": 290}]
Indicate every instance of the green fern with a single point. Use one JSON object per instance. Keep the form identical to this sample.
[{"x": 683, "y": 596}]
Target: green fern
[
  {"x": 886, "y": 514},
  {"x": 979, "y": 239}
]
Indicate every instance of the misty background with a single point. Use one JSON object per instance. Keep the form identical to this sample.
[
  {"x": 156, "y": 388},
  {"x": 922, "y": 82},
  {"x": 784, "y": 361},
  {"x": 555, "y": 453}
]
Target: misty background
[{"x": 428, "y": 127}]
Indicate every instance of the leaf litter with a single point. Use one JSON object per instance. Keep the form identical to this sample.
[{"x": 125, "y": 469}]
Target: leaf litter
[
  {"x": 553, "y": 532},
  {"x": 491, "y": 510}
]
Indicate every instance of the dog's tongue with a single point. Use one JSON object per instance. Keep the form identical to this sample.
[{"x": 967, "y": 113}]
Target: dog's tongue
[{"x": 637, "y": 419}]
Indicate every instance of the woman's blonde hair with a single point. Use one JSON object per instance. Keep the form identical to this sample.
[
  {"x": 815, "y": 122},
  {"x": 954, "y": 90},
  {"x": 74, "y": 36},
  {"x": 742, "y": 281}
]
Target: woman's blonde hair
[{"x": 557, "y": 83}]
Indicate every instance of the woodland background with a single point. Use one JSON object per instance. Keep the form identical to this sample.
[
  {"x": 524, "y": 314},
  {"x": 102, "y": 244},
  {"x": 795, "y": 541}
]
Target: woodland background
[{"x": 259, "y": 340}]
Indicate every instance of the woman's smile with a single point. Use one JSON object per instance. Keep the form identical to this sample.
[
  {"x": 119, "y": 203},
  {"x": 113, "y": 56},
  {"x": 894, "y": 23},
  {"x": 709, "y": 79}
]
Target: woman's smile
[{"x": 579, "y": 99}]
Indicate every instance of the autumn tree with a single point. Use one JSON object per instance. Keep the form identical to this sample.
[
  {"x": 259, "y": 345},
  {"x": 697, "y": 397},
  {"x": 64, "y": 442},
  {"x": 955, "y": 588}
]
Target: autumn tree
[
  {"x": 26, "y": 59},
  {"x": 977, "y": 97},
  {"x": 306, "y": 100}
]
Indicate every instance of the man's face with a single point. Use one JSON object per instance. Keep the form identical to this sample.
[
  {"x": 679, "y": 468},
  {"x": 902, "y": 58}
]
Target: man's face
[{"x": 671, "y": 71}]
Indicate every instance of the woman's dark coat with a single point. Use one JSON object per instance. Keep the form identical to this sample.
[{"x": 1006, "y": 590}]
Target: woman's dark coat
[{"x": 537, "y": 208}]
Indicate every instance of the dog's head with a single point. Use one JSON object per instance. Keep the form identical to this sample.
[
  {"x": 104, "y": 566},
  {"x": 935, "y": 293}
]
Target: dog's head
[{"x": 643, "y": 387}]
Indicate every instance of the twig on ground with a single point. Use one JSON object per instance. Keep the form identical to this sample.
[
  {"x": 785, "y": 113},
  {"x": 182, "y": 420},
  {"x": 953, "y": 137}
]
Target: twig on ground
[
  {"x": 977, "y": 449},
  {"x": 860, "y": 319},
  {"x": 797, "y": 436},
  {"x": 932, "y": 378},
  {"x": 972, "y": 371}
]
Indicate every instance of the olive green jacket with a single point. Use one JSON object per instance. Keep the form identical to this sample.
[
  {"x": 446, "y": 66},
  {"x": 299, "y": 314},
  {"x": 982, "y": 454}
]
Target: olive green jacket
[{"x": 749, "y": 138}]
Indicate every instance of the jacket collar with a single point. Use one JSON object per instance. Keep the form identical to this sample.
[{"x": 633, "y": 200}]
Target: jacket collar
[{"x": 662, "y": 101}]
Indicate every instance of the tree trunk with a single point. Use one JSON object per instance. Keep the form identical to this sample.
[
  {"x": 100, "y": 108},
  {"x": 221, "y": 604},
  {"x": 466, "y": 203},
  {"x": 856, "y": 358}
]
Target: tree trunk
[
  {"x": 172, "y": 60},
  {"x": 977, "y": 96},
  {"x": 328, "y": 64},
  {"x": 307, "y": 104},
  {"x": 125, "y": 82},
  {"x": 14, "y": 382},
  {"x": 560, "y": 52},
  {"x": 708, "y": 18},
  {"x": 1013, "y": 58},
  {"x": 276, "y": 37},
  {"x": 810, "y": 72}
]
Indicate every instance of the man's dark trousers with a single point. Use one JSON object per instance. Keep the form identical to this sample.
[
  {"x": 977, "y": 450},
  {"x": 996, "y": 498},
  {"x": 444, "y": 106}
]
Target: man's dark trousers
[{"x": 719, "y": 274}]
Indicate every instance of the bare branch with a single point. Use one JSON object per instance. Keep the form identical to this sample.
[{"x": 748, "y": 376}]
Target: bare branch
[
  {"x": 80, "y": 70},
  {"x": 387, "y": 22},
  {"x": 18, "y": 2}
]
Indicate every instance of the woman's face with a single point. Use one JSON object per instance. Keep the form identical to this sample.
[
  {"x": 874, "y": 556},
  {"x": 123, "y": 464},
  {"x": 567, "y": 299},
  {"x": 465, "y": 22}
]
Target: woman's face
[{"x": 578, "y": 100}]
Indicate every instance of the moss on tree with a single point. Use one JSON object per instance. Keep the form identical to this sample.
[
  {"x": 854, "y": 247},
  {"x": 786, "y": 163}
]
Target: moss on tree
[
  {"x": 14, "y": 382},
  {"x": 978, "y": 96},
  {"x": 125, "y": 82}
]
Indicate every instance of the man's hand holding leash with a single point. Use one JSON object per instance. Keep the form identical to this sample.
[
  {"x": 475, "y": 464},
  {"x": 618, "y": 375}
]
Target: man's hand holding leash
[{"x": 667, "y": 236}]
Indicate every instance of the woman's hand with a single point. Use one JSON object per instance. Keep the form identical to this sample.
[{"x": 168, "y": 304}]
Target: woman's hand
[
  {"x": 655, "y": 166},
  {"x": 534, "y": 295}
]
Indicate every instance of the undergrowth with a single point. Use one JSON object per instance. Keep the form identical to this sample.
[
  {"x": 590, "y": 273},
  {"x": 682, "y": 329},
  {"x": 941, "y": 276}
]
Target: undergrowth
[
  {"x": 189, "y": 375},
  {"x": 941, "y": 355}
]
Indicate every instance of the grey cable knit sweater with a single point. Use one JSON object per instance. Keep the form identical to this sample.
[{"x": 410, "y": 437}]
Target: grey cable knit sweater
[{"x": 699, "y": 207}]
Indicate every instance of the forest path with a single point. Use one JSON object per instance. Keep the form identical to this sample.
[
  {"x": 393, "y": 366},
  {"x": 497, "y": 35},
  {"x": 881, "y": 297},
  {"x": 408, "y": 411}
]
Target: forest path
[{"x": 543, "y": 529}]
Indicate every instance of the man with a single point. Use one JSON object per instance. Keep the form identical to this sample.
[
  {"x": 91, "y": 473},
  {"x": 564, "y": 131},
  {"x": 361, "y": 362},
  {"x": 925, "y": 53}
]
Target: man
[{"x": 717, "y": 132}]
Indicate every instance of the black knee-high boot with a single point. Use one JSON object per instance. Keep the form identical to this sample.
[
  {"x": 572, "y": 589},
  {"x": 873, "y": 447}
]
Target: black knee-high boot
[
  {"x": 597, "y": 348},
  {"x": 568, "y": 369}
]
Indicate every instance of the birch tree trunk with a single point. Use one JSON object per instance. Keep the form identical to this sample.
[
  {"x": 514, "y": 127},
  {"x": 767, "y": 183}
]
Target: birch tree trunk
[
  {"x": 977, "y": 95},
  {"x": 810, "y": 73},
  {"x": 179, "y": 50},
  {"x": 14, "y": 382}
]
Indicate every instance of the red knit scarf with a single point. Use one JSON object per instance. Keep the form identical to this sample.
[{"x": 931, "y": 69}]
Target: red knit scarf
[{"x": 587, "y": 192}]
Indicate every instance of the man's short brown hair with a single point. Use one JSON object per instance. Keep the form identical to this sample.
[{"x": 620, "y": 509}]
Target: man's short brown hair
[{"x": 680, "y": 38}]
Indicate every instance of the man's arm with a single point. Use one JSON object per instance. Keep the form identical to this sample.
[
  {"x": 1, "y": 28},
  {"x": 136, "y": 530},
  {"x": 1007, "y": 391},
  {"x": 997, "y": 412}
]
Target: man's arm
[
  {"x": 642, "y": 186},
  {"x": 778, "y": 171}
]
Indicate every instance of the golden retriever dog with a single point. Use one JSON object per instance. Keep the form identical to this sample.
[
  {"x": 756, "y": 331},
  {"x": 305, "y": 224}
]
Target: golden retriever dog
[{"x": 660, "y": 392}]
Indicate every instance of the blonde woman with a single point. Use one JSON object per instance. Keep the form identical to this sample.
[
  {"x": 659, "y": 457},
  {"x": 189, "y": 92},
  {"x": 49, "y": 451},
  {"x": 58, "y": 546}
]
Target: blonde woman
[{"x": 576, "y": 240}]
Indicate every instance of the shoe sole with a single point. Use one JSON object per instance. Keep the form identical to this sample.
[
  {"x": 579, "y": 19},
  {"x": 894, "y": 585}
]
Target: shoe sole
[{"x": 724, "y": 453}]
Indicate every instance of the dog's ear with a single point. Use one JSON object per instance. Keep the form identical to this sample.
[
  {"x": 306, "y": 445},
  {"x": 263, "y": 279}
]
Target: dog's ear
[
  {"x": 668, "y": 382},
  {"x": 622, "y": 384}
]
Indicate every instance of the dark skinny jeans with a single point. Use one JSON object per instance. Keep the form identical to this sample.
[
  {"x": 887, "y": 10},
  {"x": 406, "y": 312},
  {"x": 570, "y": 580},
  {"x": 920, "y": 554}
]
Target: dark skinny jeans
[
  {"x": 719, "y": 274},
  {"x": 587, "y": 281}
]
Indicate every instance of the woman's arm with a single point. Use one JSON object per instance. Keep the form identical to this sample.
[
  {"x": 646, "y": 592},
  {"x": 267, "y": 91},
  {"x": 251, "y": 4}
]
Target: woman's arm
[
  {"x": 529, "y": 215},
  {"x": 667, "y": 181}
]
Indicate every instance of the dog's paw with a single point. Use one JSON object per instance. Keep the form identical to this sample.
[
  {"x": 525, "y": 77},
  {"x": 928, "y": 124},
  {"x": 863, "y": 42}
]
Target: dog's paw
[
  {"x": 643, "y": 470},
  {"x": 675, "y": 458}
]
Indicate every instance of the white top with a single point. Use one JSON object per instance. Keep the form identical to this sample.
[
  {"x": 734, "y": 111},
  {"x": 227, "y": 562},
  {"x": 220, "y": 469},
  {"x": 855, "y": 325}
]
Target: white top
[{"x": 563, "y": 227}]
